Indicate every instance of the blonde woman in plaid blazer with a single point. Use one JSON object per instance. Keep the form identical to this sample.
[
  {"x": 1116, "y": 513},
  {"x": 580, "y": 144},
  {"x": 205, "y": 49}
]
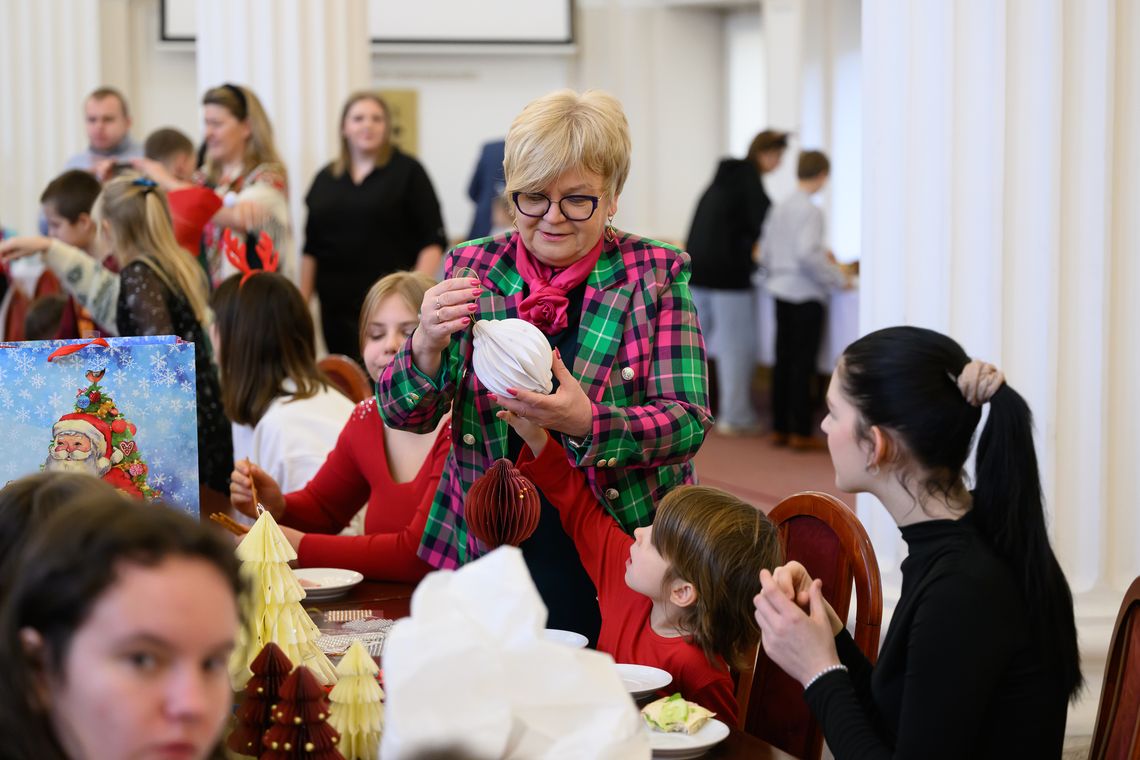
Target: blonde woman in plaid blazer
[{"x": 631, "y": 402}]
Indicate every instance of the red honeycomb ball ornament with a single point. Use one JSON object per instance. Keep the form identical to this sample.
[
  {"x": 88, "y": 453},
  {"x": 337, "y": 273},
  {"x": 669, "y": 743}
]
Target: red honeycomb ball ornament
[{"x": 502, "y": 506}]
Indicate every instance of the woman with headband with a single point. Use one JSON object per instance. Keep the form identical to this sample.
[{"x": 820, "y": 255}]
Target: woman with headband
[
  {"x": 980, "y": 659},
  {"x": 243, "y": 168}
]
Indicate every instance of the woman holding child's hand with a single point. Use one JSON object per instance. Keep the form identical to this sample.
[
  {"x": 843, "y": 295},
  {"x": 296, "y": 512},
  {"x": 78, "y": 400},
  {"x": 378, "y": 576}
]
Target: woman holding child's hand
[
  {"x": 799, "y": 636},
  {"x": 980, "y": 659}
]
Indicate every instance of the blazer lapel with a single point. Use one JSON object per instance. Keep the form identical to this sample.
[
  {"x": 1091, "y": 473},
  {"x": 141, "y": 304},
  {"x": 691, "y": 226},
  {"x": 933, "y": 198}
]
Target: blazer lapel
[{"x": 603, "y": 317}]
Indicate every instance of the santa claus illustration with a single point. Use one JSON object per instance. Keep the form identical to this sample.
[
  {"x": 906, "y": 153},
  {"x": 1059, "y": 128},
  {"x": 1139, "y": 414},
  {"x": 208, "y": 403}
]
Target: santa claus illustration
[{"x": 82, "y": 443}]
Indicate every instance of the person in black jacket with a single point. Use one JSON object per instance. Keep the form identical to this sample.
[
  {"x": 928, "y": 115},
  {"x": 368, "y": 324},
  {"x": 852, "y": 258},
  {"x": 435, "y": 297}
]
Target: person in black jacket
[
  {"x": 980, "y": 659},
  {"x": 721, "y": 243}
]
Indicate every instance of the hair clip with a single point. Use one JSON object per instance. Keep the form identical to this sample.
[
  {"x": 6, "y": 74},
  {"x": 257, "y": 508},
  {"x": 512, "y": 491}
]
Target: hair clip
[
  {"x": 146, "y": 183},
  {"x": 235, "y": 254}
]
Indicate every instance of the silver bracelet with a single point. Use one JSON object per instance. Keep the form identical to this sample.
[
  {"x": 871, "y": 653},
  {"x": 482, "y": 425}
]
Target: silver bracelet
[{"x": 822, "y": 673}]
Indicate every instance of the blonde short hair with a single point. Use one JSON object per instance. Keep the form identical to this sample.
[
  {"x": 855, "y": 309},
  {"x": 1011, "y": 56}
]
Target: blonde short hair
[{"x": 568, "y": 130}]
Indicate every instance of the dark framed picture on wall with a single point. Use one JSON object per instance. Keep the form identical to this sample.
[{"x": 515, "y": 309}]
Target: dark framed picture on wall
[{"x": 431, "y": 22}]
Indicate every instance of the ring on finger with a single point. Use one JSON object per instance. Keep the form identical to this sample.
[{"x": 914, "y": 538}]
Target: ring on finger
[
  {"x": 437, "y": 305},
  {"x": 438, "y": 317}
]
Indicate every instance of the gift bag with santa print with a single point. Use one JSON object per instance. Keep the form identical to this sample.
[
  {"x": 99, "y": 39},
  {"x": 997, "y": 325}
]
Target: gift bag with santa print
[{"x": 120, "y": 409}]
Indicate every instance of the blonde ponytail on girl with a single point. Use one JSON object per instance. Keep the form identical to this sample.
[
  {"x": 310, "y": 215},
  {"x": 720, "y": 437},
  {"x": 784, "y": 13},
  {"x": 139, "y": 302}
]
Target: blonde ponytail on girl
[{"x": 141, "y": 229}]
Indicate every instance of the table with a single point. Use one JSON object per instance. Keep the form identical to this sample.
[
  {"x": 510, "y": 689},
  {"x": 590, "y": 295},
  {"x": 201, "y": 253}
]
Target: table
[{"x": 394, "y": 599}]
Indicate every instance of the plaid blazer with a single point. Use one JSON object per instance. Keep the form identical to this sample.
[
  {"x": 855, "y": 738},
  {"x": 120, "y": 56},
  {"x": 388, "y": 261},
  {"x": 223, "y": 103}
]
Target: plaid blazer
[{"x": 640, "y": 359}]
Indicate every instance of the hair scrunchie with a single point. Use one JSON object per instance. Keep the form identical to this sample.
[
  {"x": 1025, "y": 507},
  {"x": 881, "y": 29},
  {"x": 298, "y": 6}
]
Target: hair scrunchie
[
  {"x": 979, "y": 381},
  {"x": 146, "y": 183}
]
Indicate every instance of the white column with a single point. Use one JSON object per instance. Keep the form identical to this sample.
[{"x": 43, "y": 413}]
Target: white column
[
  {"x": 782, "y": 24},
  {"x": 812, "y": 73},
  {"x": 671, "y": 92},
  {"x": 302, "y": 58},
  {"x": 1000, "y": 191},
  {"x": 47, "y": 68}
]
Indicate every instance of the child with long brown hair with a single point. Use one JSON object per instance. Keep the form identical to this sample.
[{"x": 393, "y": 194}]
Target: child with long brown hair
[
  {"x": 286, "y": 414},
  {"x": 677, "y": 595}
]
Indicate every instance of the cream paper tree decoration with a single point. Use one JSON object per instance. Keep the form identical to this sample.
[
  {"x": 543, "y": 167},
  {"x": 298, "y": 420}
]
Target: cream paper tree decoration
[
  {"x": 272, "y": 606},
  {"x": 357, "y": 711}
]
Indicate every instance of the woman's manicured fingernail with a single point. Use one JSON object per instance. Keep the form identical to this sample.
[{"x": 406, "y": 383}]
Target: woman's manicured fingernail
[
  {"x": 466, "y": 320},
  {"x": 472, "y": 307}
]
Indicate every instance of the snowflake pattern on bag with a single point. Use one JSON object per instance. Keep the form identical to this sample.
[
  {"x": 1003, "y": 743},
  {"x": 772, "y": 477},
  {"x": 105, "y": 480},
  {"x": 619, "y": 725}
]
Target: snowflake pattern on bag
[{"x": 151, "y": 380}]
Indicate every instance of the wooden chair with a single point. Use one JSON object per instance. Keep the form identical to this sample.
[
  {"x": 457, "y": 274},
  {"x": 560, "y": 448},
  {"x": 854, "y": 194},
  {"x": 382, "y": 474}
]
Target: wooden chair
[
  {"x": 1117, "y": 732},
  {"x": 347, "y": 376},
  {"x": 824, "y": 535}
]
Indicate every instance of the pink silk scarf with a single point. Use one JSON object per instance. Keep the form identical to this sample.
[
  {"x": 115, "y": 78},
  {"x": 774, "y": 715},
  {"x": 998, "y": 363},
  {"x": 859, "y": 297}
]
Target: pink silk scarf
[{"x": 546, "y": 306}]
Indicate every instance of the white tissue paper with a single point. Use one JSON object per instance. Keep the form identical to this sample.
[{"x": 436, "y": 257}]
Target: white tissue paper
[
  {"x": 511, "y": 353},
  {"x": 470, "y": 670}
]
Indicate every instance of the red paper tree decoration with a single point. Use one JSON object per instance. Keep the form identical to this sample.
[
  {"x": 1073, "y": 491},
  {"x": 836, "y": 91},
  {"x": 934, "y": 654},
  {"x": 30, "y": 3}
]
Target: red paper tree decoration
[
  {"x": 301, "y": 728},
  {"x": 502, "y": 506},
  {"x": 270, "y": 669}
]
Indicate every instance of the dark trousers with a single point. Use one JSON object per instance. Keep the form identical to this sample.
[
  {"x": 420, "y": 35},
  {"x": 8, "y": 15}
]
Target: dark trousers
[{"x": 799, "y": 327}]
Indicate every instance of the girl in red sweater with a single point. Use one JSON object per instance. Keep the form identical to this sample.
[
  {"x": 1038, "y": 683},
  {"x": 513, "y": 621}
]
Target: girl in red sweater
[
  {"x": 394, "y": 471},
  {"x": 676, "y": 595}
]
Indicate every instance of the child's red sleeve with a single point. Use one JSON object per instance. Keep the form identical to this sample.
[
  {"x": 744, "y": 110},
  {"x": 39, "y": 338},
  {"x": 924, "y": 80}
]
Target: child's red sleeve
[{"x": 601, "y": 543}]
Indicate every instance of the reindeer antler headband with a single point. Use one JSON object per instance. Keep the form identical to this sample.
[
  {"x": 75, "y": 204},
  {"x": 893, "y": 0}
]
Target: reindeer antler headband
[{"x": 235, "y": 254}]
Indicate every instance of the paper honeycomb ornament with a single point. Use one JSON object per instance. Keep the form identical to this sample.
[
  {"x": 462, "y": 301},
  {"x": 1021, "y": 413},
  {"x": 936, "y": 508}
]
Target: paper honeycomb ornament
[
  {"x": 270, "y": 669},
  {"x": 511, "y": 353},
  {"x": 502, "y": 506},
  {"x": 272, "y": 606},
  {"x": 357, "y": 710},
  {"x": 300, "y": 722}
]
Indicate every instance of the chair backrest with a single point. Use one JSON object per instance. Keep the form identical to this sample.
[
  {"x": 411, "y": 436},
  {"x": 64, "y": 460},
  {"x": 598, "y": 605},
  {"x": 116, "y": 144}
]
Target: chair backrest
[
  {"x": 347, "y": 376},
  {"x": 824, "y": 535},
  {"x": 1117, "y": 732}
]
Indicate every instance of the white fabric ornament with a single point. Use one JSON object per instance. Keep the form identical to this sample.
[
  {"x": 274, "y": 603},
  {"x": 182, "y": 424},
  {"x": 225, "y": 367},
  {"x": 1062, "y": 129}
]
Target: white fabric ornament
[{"x": 511, "y": 353}]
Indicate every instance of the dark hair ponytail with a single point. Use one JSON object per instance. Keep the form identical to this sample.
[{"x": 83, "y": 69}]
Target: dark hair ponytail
[
  {"x": 904, "y": 379},
  {"x": 1009, "y": 511}
]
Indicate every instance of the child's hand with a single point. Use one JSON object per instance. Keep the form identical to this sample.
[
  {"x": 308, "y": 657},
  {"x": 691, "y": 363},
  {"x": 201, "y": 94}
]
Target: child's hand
[
  {"x": 18, "y": 247},
  {"x": 533, "y": 435}
]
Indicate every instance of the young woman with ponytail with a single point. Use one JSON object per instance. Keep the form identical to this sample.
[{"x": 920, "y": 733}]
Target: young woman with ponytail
[{"x": 980, "y": 659}]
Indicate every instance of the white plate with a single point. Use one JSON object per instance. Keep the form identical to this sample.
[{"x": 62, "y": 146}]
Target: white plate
[
  {"x": 569, "y": 638},
  {"x": 331, "y": 582},
  {"x": 641, "y": 680},
  {"x": 681, "y": 746}
]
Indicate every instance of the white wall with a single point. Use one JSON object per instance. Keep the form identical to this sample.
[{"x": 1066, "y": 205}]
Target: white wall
[
  {"x": 745, "y": 76},
  {"x": 674, "y": 92},
  {"x": 464, "y": 101}
]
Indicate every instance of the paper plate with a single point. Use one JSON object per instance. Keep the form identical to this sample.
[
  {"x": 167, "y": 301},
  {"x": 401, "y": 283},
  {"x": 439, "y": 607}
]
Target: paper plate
[
  {"x": 681, "y": 746},
  {"x": 569, "y": 638},
  {"x": 326, "y": 582},
  {"x": 642, "y": 680}
]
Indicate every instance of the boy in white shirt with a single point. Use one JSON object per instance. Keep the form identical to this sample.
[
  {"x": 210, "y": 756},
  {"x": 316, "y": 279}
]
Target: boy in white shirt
[{"x": 801, "y": 275}]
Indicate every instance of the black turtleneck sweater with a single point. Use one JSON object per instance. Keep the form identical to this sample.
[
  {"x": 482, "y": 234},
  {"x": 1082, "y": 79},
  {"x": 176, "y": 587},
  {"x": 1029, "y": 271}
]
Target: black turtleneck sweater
[{"x": 958, "y": 674}]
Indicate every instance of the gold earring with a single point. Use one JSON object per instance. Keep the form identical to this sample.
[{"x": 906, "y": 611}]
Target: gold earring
[{"x": 609, "y": 232}]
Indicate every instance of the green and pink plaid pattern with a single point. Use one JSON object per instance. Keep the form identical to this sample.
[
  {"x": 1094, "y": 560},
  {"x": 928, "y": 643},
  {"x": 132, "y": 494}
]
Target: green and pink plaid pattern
[{"x": 640, "y": 359}]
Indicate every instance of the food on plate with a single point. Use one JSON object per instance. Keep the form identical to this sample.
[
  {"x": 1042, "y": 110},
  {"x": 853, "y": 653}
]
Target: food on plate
[
  {"x": 675, "y": 715},
  {"x": 308, "y": 584}
]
